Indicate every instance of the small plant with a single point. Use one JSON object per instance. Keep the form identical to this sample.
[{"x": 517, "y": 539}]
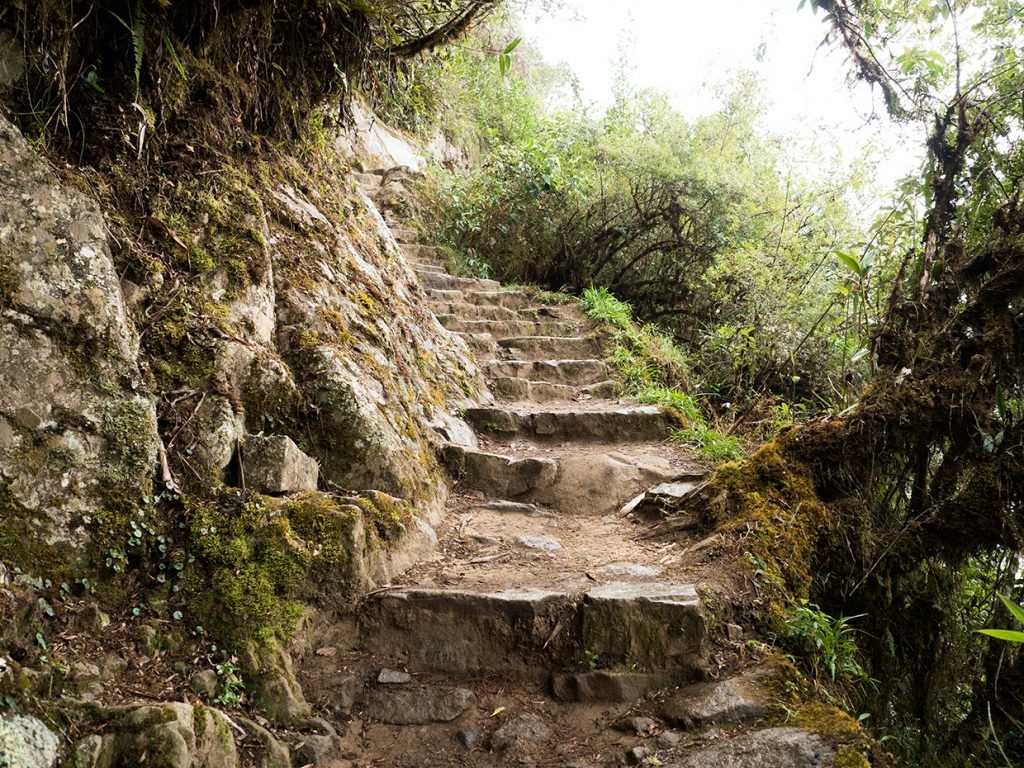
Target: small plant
[
  {"x": 828, "y": 643},
  {"x": 232, "y": 688}
]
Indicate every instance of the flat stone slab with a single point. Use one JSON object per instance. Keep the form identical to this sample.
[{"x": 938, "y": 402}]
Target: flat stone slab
[
  {"x": 648, "y": 626},
  {"x": 575, "y": 373},
  {"x": 276, "y": 465},
  {"x": 628, "y": 423},
  {"x": 735, "y": 700},
  {"x": 768, "y": 748},
  {"x": 418, "y": 707},
  {"x": 468, "y": 632},
  {"x": 447, "y": 282},
  {"x": 631, "y": 570},
  {"x": 503, "y": 328},
  {"x": 606, "y": 686},
  {"x": 550, "y": 347},
  {"x": 468, "y": 311},
  {"x": 544, "y": 543}
]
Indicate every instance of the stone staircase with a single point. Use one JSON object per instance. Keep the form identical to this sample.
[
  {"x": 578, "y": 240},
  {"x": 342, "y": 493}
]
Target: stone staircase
[{"x": 546, "y": 628}]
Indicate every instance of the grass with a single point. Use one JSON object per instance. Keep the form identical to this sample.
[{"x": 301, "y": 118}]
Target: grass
[{"x": 656, "y": 372}]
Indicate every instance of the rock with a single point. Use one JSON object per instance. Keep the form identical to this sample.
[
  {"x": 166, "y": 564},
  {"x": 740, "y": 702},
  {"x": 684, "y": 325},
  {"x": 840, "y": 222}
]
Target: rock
[
  {"x": 316, "y": 749},
  {"x": 659, "y": 501},
  {"x": 272, "y": 753},
  {"x": 602, "y": 685},
  {"x": 544, "y": 543},
  {"x": 734, "y": 632},
  {"x": 636, "y": 756},
  {"x": 668, "y": 740},
  {"x": 205, "y": 682},
  {"x": 641, "y": 726},
  {"x": 12, "y": 61},
  {"x": 26, "y": 742},
  {"x": 468, "y": 737},
  {"x": 277, "y": 693},
  {"x": 417, "y": 707},
  {"x": 217, "y": 433},
  {"x": 519, "y": 732},
  {"x": 632, "y": 570},
  {"x": 598, "y": 484},
  {"x": 66, "y": 439},
  {"x": 654, "y": 626},
  {"x": 276, "y": 465},
  {"x": 768, "y": 748},
  {"x": 393, "y": 677},
  {"x": 728, "y": 701},
  {"x": 171, "y": 735}
]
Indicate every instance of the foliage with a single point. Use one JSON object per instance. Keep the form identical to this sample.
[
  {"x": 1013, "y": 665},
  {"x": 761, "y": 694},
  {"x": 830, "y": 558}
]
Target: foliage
[
  {"x": 702, "y": 227},
  {"x": 1010, "y": 635},
  {"x": 827, "y": 642},
  {"x": 269, "y": 63}
]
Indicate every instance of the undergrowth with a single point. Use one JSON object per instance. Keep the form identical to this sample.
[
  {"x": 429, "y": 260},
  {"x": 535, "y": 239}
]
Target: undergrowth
[{"x": 656, "y": 372}]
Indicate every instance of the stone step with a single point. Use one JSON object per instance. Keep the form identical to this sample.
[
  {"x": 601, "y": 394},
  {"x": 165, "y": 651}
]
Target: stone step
[
  {"x": 618, "y": 424},
  {"x": 474, "y": 311},
  {"x": 575, "y": 373},
  {"x": 369, "y": 181},
  {"x": 459, "y": 283},
  {"x": 510, "y": 299},
  {"x": 525, "y": 391},
  {"x": 578, "y": 482},
  {"x": 501, "y": 329},
  {"x": 480, "y": 344},
  {"x": 550, "y": 347},
  {"x": 429, "y": 253},
  {"x": 419, "y": 267},
  {"x": 533, "y": 632},
  {"x": 405, "y": 237}
]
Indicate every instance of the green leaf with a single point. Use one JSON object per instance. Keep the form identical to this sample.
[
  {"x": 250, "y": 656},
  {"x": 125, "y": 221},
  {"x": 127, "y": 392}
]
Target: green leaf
[
  {"x": 1003, "y": 634},
  {"x": 1012, "y": 607},
  {"x": 512, "y": 46},
  {"x": 850, "y": 261}
]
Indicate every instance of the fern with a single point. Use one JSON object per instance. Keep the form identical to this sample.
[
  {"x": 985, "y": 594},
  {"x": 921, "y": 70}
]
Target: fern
[{"x": 137, "y": 29}]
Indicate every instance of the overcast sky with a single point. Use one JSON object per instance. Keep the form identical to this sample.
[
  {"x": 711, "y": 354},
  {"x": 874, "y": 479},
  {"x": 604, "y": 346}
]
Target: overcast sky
[{"x": 685, "y": 47}]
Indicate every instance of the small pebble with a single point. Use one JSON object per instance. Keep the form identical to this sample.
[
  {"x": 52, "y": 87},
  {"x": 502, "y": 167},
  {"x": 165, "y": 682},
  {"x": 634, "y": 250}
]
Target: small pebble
[
  {"x": 668, "y": 740},
  {"x": 468, "y": 737},
  {"x": 393, "y": 677}
]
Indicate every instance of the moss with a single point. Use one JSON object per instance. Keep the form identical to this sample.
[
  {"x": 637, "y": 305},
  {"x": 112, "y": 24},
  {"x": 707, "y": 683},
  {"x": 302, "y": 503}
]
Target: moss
[
  {"x": 23, "y": 543},
  {"x": 8, "y": 278},
  {"x": 848, "y": 756},
  {"x": 827, "y": 721},
  {"x": 389, "y": 517},
  {"x": 256, "y": 558},
  {"x": 128, "y": 428}
]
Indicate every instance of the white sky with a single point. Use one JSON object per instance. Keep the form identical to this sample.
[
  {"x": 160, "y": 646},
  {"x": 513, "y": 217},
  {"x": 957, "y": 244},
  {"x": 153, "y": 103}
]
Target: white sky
[{"x": 685, "y": 47}]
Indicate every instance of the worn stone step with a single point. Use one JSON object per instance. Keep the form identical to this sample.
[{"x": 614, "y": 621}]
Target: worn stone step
[
  {"x": 465, "y": 632},
  {"x": 511, "y": 299},
  {"x": 404, "y": 236},
  {"x": 429, "y": 253},
  {"x": 525, "y": 391},
  {"x": 420, "y": 267},
  {"x": 474, "y": 311},
  {"x": 624, "y": 423},
  {"x": 575, "y": 373},
  {"x": 550, "y": 347},
  {"x": 535, "y": 631},
  {"x": 480, "y": 344},
  {"x": 501, "y": 329},
  {"x": 593, "y": 482},
  {"x": 459, "y": 283},
  {"x": 369, "y": 181}
]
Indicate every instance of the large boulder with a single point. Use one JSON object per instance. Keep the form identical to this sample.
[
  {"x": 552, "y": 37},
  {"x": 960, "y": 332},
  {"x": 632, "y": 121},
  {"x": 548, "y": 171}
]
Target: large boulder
[{"x": 75, "y": 428}]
